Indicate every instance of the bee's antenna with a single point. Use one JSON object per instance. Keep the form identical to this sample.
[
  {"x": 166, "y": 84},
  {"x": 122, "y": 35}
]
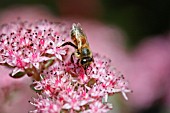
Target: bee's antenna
[{"x": 74, "y": 26}]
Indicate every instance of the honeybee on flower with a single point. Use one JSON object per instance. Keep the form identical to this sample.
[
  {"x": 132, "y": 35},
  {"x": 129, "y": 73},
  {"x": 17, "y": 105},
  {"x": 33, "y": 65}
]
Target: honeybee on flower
[{"x": 83, "y": 51}]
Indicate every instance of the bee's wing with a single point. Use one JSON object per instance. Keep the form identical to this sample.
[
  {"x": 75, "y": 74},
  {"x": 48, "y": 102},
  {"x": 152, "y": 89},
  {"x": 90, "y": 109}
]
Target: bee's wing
[{"x": 80, "y": 36}]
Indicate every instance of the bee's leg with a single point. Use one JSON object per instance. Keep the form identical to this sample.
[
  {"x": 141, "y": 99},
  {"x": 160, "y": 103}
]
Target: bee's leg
[
  {"x": 72, "y": 60},
  {"x": 85, "y": 69},
  {"x": 90, "y": 69},
  {"x": 69, "y": 43},
  {"x": 78, "y": 61},
  {"x": 92, "y": 59},
  {"x": 77, "y": 55}
]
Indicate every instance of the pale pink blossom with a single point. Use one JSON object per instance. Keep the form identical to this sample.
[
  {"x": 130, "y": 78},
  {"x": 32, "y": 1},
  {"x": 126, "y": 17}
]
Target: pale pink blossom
[{"x": 98, "y": 107}]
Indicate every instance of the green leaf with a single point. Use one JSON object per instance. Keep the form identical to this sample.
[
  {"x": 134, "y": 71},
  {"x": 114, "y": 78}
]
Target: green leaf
[
  {"x": 32, "y": 86},
  {"x": 49, "y": 63},
  {"x": 17, "y": 75}
]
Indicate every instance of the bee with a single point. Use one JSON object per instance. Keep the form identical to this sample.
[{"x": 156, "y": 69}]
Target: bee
[{"x": 80, "y": 43}]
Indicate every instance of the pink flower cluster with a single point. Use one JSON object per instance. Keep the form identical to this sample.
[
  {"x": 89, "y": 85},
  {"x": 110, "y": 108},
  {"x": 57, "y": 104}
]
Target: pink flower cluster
[
  {"x": 62, "y": 86},
  {"x": 66, "y": 88},
  {"x": 28, "y": 46}
]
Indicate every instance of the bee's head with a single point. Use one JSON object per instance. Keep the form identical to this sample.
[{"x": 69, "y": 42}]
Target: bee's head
[
  {"x": 86, "y": 57},
  {"x": 86, "y": 61}
]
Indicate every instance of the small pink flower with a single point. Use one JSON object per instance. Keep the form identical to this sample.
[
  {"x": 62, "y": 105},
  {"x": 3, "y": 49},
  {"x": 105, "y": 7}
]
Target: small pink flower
[
  {"x": 45, "y": 105},
  {"x": 98, "y": 107}
]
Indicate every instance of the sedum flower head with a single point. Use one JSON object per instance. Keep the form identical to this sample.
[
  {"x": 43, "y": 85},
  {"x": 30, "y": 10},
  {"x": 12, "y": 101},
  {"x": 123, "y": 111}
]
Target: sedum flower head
[
  {"x": 29, "y": 46},
  {"x": 62, "y": 86}
]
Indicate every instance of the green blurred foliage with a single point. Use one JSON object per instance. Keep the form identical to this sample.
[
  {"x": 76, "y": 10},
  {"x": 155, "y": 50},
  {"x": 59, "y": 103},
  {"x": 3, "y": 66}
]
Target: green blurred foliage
[
  {"x": 138, "y": 18},
  {"x": 50, "y": 4}
]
